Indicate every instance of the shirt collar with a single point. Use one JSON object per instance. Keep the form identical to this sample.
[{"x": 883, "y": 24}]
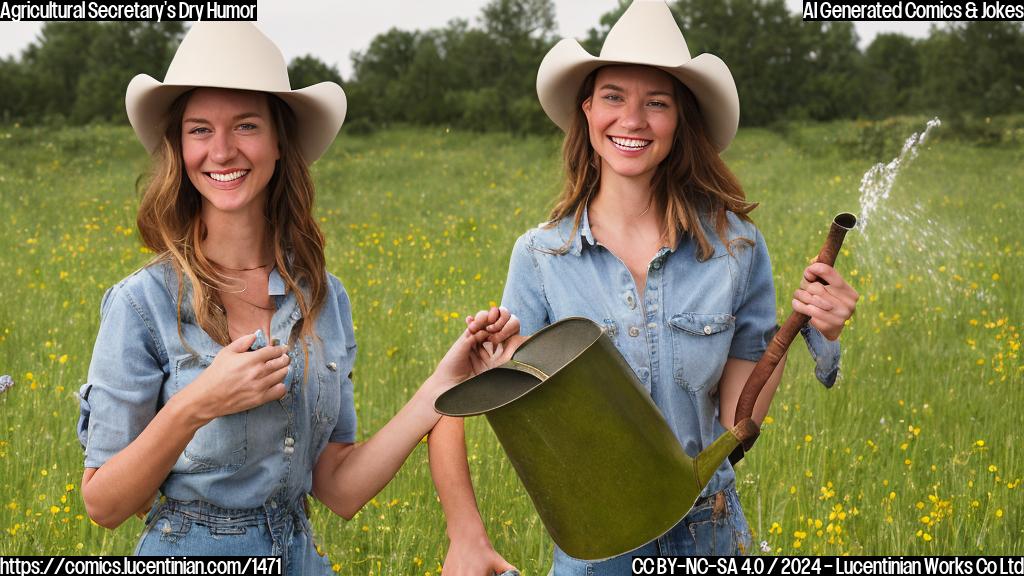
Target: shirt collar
[
  {"x": 275, "y": 287},
  {"x": 275, "y": 284},
  {"x": 583, "y": 235}
]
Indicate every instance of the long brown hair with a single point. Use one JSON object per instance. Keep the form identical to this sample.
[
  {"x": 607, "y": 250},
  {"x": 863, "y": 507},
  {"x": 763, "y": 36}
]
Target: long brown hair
[
  {"x": 170, "y": 225},
  {"x": 690, "y": 183}
]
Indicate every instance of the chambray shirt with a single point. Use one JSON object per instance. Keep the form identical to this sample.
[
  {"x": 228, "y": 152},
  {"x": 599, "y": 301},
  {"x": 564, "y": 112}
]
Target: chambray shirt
[
  {"x": 262, "y": 456},
  {"x": 692, "y": 316}
]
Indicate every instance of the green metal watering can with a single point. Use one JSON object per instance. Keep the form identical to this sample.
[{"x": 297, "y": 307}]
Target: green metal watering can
[{"x": 604, "y": 470}]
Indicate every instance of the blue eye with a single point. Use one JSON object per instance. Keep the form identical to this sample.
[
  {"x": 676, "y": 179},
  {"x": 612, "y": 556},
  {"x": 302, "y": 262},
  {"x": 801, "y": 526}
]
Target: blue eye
[
  {"x": 199, "y": 130},
  {"x": 658, "y": 104},
  {"x": 248, "y": 126}
]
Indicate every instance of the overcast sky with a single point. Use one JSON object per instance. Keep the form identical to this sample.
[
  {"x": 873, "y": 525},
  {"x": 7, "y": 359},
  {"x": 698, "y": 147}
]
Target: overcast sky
[{"x": 333, "y": 29}]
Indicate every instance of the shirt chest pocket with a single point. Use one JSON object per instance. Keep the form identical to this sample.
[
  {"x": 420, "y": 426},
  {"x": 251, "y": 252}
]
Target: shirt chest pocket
[
  {"x": 700, "y": 348},
  {"x": 221, "y": 443}
]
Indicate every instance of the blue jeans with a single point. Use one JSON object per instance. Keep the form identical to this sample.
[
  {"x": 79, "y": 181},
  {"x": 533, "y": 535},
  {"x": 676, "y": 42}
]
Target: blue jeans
[
  {"x": 715, "y": 526},
  {"x": 175, "y": 528}
]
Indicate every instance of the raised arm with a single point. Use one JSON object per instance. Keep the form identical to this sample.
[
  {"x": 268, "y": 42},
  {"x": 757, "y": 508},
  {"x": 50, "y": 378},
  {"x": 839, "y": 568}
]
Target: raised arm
[{"x": 346, "y": 476}]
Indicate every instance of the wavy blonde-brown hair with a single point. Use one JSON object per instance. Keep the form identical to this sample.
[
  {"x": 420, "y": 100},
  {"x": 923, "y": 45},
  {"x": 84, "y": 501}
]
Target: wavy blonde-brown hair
[
  {"x": 170, "y": 225},
  {"x": 690, "y": 183}
]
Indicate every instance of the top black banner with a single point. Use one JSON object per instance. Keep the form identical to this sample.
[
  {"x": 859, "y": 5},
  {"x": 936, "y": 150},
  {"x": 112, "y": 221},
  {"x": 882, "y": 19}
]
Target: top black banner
[
  {"x": 907, "y": 10},
  {"x": 132, "y": 10}
]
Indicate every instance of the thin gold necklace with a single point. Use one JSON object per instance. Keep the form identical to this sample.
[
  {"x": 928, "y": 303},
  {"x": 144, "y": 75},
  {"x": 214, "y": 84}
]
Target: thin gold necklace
[
  {"x": 219, "y": 265},
  {"x": 649, "y": 204},
  {"x": 238, "y": 295}
]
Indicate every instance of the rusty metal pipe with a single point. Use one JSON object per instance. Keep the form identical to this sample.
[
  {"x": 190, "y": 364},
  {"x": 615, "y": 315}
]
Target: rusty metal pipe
[{"x": 777, "y": 348}]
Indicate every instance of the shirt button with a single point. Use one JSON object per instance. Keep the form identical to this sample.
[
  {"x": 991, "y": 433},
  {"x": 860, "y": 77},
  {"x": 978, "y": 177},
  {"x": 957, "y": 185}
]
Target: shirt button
[
  {"x": 652, "y": 325},
  {"x": 634, "y": 331},
  {"x": 273, "y": 503},
  {"x": 631, "y": 301},
  {"x": 289, "y": 449},
  {"x": 296, "y": 315},
  {"x": 707, "y": 329},
  {"x": 333, "y": 367},
  {"x": 289, "y": 441}
]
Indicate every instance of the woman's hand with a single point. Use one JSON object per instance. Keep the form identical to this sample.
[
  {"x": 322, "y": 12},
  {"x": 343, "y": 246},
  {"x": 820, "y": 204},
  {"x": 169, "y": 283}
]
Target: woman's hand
[
  {"x": 239, "y": 379},
  {"x": 829, "y": 306},
  {"x": 490, "y": 338},
  {"x": 465, "y": 558}
]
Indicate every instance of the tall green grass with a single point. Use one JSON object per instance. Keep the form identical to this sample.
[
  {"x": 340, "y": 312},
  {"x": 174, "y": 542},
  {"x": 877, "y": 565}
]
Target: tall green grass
[{"x": 913, "y": 452}]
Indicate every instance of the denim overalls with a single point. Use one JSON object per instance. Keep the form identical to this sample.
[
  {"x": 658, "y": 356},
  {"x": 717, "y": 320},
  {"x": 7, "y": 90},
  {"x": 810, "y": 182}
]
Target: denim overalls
[
  {"x": 691, "y": 317},
  {"x": 240, "y": 486}
]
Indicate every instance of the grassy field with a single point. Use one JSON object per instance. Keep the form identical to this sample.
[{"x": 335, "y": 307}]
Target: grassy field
[{"x": 915, "y": 451}]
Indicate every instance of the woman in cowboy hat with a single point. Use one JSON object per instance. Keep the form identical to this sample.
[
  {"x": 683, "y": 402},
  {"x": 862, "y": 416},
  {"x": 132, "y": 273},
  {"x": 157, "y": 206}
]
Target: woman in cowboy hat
[
  {"x": 185, "y": 395},
  {"x": 651, "y": 238}
]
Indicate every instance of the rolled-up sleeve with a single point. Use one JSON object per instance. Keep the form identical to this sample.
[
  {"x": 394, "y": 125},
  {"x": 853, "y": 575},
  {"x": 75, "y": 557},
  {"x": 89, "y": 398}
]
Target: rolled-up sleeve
[
  {"x": 345, "y": 430},
  {"x": 755, "y": 312},
  {"x": 825, "y": 353},
  {"x": 524, "y": 290},
  {"x": 126, "y": 374}
]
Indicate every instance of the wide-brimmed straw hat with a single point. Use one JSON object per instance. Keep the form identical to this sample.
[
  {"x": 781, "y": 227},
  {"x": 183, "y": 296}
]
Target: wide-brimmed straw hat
[
  {"x": 646, "y": 34},
  {"x": 234, "y": 55}
]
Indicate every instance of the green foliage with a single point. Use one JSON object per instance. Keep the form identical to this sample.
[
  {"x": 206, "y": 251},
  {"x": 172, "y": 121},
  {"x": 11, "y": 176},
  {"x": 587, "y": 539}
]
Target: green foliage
[
  {"x": 990, "y": 131},
  {"x": 973, "y": 68},
  {"x": 462, "y": 76},
  {"x": 309, "y": 70},
  {"x": 78, "y": 71},
  {"x": 892, "y": 74},
  {"x": 784, "y": 67}
]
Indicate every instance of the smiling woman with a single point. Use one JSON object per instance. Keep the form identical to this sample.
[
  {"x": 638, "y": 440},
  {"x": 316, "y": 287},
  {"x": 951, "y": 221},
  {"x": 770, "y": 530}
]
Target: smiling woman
[
  {"x": 221, "y": 375},
  {"x": 651, "y": 238},
  {"x": 229, "y": 145},
  {"x": 634, "y": 111}
]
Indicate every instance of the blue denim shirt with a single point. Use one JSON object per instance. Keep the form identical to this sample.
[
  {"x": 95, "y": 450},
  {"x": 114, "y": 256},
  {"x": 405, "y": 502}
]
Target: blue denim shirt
[
  {"x": 692, "y": 316},
  {"x": 263, "y": 456}
]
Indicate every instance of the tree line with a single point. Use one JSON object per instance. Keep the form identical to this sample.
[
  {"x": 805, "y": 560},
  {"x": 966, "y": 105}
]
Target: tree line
[{"x": 480, "y": 75}]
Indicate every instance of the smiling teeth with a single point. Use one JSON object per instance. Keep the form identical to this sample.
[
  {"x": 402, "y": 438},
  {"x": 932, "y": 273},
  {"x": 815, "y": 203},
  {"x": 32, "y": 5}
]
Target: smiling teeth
[
  {"x": 229, "y": 176},
  {"x": 630, "y": 143}
]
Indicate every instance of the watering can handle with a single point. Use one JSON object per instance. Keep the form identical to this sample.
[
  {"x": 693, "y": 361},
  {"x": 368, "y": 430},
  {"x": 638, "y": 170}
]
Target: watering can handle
[{"x": 777, "y": 348}]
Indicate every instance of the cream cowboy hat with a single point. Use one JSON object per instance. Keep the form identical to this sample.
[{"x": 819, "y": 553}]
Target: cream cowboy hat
[
  {"x": 646, "y": 34},
  {"x": 234, "y": 55}
]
